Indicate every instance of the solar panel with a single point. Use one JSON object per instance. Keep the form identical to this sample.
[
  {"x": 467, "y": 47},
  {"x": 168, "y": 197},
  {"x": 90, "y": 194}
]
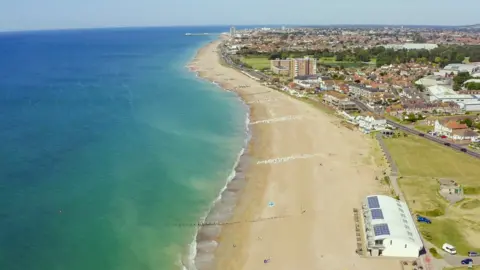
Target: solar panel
[
  {"x": 377, "y": 214},
  {"x": 373, "y": 202},
  {"x": 381, "y": 229}
]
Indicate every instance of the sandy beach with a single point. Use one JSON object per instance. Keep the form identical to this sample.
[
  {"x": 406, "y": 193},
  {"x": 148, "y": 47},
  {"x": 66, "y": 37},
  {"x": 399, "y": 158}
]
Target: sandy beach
[{"x": 306, "y": 172}]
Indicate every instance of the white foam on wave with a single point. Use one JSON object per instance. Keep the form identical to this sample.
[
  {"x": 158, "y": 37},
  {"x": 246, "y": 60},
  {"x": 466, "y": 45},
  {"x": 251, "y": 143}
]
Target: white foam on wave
[{"x": 190, "y": 264}]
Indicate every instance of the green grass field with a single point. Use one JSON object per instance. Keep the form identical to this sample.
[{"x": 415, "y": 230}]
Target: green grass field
[
  {"x": 417, "y": 156},
  {"x": 257, "y": 62},
  {"x": 421, "y": 163},
  {"x": 424, "y": 128}
]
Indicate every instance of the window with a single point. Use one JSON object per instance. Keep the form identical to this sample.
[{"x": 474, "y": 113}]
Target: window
[
  {"x": 403, "y": 215},
  {"x": 410, "y": 234}
]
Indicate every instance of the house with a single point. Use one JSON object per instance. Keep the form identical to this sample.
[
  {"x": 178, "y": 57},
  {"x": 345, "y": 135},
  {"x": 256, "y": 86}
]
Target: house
[
  {"x": 369, "y": 122},
  {"x": 454, "y": 130}
]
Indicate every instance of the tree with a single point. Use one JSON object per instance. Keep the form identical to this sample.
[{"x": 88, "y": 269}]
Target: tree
[
  {"x": 467, "y": 121},
  {"x": 473, "y": 86},
  {"x": 339, "y": 56},
  {"x": 460, "y": 79},
  {"x": 411, "y": 117},
  {"x": 420, "y": 87}
]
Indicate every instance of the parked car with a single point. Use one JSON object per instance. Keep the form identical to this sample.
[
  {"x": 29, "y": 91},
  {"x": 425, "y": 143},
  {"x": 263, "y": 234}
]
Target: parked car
[
  {"x": 463, "y": 150},
  {"x": 472, "y": 254},
  {"x": 449, "y": 249},
  {"x": 443, "y": 137},
  {"x": 467, "y": 261},
  {"x": 447, "y": 144},
  {"x": 423, "y": 219}
]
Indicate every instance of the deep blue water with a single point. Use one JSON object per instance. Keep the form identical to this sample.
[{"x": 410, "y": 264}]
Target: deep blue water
[{"x": 106, "y": 139}]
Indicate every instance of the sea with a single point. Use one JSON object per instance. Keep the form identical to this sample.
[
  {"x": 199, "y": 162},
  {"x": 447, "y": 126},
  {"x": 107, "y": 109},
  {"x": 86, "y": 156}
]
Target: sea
[{"x": 112, "y": 150}]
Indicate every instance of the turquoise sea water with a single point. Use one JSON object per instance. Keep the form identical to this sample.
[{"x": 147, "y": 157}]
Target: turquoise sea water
[{"x": 107, "y": 140}]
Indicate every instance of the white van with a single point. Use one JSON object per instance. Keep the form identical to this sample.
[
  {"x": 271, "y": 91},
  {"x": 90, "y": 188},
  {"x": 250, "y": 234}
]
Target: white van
[{"x": 449, "y": 249}]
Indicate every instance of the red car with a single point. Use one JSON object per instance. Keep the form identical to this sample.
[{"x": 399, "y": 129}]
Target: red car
[{"x": 443, "y": 137}]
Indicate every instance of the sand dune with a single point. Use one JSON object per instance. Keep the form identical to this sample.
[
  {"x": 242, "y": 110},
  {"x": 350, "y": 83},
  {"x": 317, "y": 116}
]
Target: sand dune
[{"x": 322, "y": 179}]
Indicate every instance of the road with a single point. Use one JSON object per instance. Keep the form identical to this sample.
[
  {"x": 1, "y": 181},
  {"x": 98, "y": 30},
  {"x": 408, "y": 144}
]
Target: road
[
  {"x": 363, "y": 107},
  {"x": 257, "y": 74}
]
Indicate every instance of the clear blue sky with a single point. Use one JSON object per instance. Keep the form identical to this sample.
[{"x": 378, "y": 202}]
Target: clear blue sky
[{"x": 55, "y": 14}]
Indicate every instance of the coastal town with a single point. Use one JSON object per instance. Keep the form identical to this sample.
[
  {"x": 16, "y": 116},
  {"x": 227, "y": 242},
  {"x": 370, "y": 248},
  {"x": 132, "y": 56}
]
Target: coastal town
[{"x": 416, "y": 91}]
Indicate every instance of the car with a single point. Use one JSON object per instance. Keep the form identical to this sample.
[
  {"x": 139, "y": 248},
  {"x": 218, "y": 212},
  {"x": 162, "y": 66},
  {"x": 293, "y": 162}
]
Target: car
[
  {"x": 463, "y": 150},
  {"x": 467, "y": 261},
  {"x": 447, "y": 144},
  {"x": 423, "y": 219},
  {"x": 472, "y": 254},
  {"x": 421, "y": 134},
  {"x": 443, "y": 137},
  {"x": 449, "y": 249}
]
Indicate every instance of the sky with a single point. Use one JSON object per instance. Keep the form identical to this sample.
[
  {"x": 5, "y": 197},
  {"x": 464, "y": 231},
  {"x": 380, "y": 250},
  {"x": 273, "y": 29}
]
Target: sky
[{"x": 64, "y": 14}]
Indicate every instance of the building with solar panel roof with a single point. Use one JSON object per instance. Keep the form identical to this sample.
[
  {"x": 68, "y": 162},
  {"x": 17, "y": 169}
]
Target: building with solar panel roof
[{"x": 390, "y": 228}]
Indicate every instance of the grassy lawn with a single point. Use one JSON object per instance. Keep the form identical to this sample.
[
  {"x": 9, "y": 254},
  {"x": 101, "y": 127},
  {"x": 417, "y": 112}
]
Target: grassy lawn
[
  {"x": 469, "y": 203},
  {"x": 256, "y": 62},
  {"x": 416, "y": 156},
  {"x": 424, "y": 128},
  {"x": 421, "y": 163}
]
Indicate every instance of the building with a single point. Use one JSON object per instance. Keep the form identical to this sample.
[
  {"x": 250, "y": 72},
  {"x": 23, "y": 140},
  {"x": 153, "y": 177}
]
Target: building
[
  {"x": 454, "y": 130},
  {"x": 456, "y": 68},
  {"x": 233, "y": 31},
  {"x": 420, "y": 106},
  {"x": 449, "y": 186},
  {"x": 281, "y": 66},
  {"x": 389, "y": 228},
  {"x": 445, "y": 94},
  {"x": 369, "y": 122},
  {"x": 334, "y": 98},
  {"x": 411, "y": 46},
  {"x": 434, "y": 80},
  {"x": 363, "y": 91},
  {"x": 450, "y": 190},
  {"x": 294, "y": 67},
  {"x": 308, "y": 81},
  {"x": 339, "y": 101},
  {"x": 304, "y": 66}
]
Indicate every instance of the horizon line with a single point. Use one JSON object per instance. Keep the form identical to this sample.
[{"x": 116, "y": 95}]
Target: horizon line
[{"x": 222, "y": 25}]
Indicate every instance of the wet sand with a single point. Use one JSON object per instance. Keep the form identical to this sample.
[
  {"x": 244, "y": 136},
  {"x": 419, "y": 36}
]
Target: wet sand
[{"x": 301, "y": 178}]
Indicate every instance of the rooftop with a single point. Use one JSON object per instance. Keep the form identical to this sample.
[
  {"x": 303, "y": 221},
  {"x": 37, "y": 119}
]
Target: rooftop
[
  {"x": 336, "y": 94},
  {"x": 391, "y": 218}
]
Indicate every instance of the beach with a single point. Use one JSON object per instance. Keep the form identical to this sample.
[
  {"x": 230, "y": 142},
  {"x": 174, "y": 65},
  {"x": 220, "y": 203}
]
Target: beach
[{"x": 304, "y": 174}]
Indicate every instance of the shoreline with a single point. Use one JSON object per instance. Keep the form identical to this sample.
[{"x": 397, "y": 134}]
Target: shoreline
[
  {"x": 205, "y": 239},
  {"x": 301, "y": 165}
]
